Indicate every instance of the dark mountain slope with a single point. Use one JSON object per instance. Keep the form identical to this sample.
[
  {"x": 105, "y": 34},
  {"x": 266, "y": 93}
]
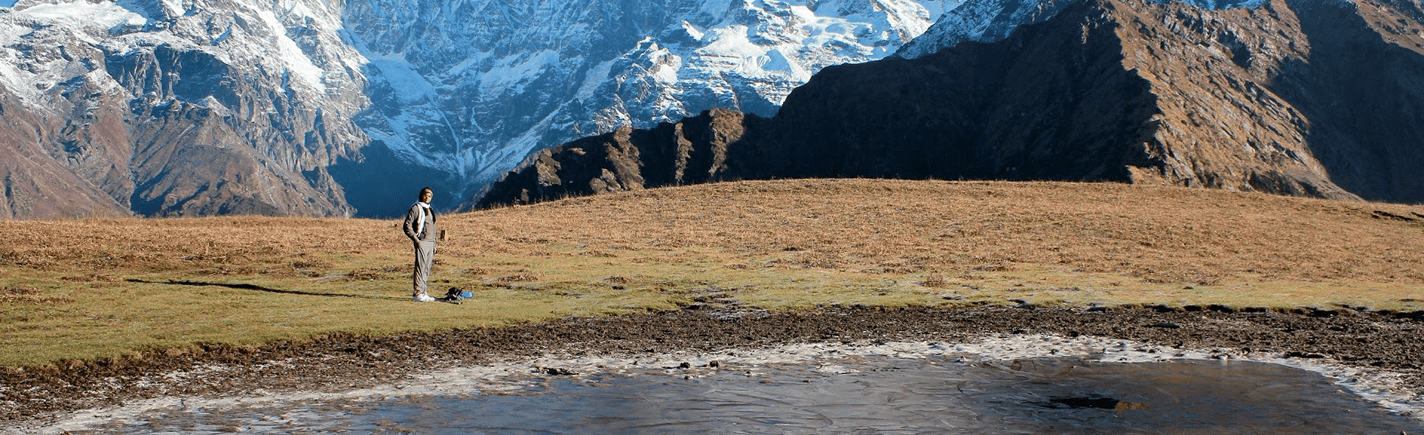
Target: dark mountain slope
[
  {"x": 1362, "y": 90},
  {"x": 1050, "y": 102}
]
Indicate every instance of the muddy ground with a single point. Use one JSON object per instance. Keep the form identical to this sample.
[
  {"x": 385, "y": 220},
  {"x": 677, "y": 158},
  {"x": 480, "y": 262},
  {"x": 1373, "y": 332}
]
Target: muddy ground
[{"x": 1385, "y": 340}]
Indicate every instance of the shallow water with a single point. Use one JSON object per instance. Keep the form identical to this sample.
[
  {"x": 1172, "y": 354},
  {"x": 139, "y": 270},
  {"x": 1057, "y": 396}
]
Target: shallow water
[{"x": 871, "y": 394}]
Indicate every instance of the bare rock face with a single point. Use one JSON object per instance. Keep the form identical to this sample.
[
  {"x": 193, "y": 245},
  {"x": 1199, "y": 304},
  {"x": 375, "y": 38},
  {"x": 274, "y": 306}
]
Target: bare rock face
[
  {"x": 1301, "y": 97},
  {"x": 1262, "y": 101},
  {"x": 36, "y": 180},
  {"x": 211, "y": 143}
]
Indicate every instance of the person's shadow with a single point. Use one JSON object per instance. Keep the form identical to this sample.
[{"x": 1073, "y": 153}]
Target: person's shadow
[{"x": 243, "y": 286}]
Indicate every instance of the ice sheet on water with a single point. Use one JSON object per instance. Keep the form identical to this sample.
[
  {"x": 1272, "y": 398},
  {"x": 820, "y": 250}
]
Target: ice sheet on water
[{"x": 1012, "y": 355}]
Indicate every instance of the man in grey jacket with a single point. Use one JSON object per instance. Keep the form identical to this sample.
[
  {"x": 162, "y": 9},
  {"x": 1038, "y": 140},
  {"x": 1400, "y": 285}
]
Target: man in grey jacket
[{"x": 420, "y": 228}]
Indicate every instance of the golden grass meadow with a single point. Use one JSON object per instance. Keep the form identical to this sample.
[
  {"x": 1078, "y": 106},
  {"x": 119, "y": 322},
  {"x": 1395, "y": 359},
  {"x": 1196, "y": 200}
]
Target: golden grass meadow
[{"x": 89, "y": 289}]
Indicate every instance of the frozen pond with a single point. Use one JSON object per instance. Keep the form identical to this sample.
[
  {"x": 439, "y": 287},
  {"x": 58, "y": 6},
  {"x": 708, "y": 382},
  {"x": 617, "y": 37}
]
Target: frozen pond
[{"x": 873, "y": 393}]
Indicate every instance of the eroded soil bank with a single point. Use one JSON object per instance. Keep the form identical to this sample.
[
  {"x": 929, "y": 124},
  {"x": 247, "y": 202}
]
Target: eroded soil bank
[{"x": 1387, "y": 341}]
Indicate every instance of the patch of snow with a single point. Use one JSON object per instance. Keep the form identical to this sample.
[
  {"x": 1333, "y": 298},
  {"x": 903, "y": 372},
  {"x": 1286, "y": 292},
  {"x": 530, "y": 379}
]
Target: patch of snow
[
  {"x": 133, "y": 6},
  {"x": 410, "y": 86},
  {"x": 290, "y": 55},
  {"x": 730, "y": 51},
  {"x": 692, "y": 30},
  {"x": 468, "y": 66},
  {"x": 665, "y": 66},
  {"x": 174, "y": 8},
  {"x": 514, "y": 153},
  {"x": 595, "y": 77},
  {"x": 105, "y": 82},
  {"x": 105, "y": 15},
  {"x": 510, "y": 73},
  {"x": 775, "y": 61},
  {"x": 223, "y": 37},
  {"x": 16, "y": 81}
]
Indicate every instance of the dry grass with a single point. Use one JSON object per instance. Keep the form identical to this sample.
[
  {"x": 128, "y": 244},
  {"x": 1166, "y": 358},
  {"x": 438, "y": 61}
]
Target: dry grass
[{"x": 94, "y": 288}]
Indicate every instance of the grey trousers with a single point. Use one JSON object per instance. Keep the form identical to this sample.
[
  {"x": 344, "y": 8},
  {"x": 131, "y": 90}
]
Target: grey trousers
[{"x": 424, "y": 255}]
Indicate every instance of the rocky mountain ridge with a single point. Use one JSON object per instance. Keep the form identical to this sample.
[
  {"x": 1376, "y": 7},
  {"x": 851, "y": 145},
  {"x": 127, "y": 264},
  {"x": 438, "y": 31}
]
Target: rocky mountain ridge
[{"x": 1300, "y": 97}]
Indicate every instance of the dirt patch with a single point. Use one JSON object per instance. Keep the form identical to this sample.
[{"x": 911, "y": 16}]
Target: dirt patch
[{"x": 1390, "y": 341}]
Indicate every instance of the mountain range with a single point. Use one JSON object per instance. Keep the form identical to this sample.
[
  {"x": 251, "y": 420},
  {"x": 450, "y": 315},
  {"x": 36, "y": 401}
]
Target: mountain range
[
  {"x": 327, "y": 108},
  {"x": 1318, "y": 98},
  {"x": 331, "y": 108}
]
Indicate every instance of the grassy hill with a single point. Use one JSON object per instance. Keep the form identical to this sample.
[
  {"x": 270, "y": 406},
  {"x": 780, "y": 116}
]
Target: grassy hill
[{"x": 94, "y": 289}]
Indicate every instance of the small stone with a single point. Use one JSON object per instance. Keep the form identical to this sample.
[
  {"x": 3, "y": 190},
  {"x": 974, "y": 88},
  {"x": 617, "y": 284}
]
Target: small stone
[
  {"x": 556, "y": 371},
  {"x": 1130, "y": 406}
]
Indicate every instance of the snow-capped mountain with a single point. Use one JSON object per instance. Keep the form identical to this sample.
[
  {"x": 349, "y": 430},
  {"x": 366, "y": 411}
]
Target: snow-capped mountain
[
  {"x": 183, "y": 107},
  {"x": 166, "y": 107},
  {"x": 471, "y": 87}
]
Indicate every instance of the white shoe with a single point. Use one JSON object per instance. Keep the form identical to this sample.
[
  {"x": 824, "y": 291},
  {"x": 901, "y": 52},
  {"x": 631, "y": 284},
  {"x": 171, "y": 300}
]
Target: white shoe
[{"x": 424, "y": 298}]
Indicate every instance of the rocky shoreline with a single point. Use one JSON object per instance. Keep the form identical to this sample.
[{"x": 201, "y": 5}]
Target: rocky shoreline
[{"x": 1379, "y": 341}]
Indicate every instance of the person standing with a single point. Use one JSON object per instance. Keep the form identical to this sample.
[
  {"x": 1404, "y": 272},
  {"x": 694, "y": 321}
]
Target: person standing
[{"x": 420, "y": 228}]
